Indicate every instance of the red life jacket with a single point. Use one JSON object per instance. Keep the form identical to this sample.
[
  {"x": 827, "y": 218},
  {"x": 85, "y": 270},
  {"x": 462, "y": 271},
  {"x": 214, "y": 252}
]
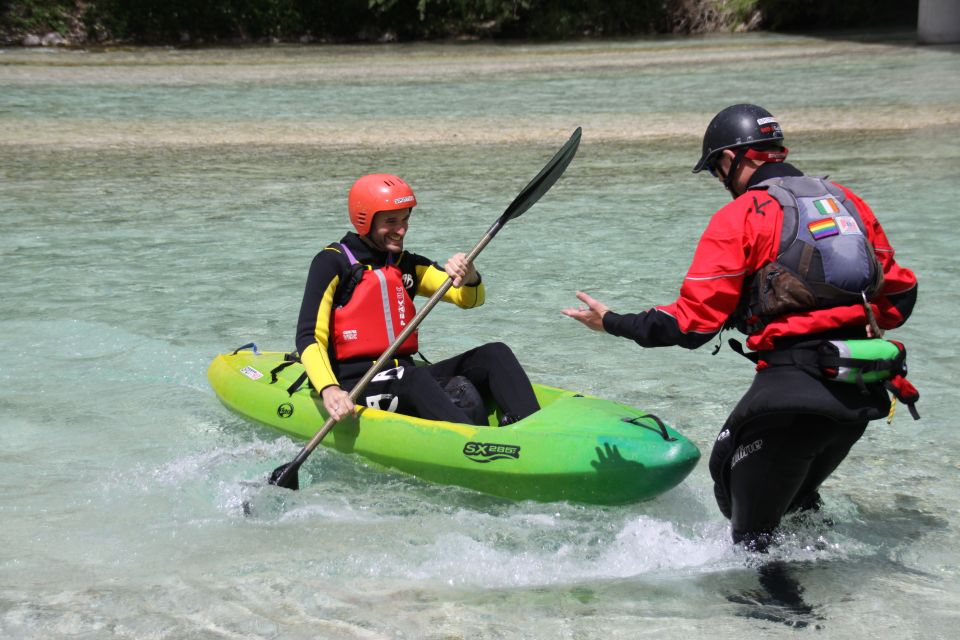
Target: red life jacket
[{"x": 376, "y": 313}]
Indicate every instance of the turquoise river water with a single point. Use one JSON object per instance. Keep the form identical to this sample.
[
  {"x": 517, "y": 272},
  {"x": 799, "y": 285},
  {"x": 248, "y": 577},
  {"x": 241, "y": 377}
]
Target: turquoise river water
[{"x": 159, "y": 206}]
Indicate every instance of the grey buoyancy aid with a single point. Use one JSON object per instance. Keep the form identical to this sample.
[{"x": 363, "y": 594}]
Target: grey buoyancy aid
[{"x": 824, "y": 259}]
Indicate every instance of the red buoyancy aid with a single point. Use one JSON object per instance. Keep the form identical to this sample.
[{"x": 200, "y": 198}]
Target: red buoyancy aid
[{"x": 376, "y": 313}]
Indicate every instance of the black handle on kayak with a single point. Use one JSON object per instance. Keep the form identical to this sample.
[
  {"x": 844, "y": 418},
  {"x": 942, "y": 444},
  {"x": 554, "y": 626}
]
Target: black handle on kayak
[
  {"x": 286, "y": 475},
  {"x": 640, "y": 422}
]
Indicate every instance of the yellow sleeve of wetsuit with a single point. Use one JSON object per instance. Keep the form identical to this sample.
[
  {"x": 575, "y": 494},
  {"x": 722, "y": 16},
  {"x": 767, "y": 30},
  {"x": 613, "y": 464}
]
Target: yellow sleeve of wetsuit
[
  {"x": 315, "y": 357},
  {"x": 430, "y": 279}
]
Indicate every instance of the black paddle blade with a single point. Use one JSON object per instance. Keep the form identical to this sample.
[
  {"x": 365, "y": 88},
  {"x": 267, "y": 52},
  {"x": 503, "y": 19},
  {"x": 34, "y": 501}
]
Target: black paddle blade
[
  {"x": 286, "y": 476},
  {"x": 543, "y": 180}
]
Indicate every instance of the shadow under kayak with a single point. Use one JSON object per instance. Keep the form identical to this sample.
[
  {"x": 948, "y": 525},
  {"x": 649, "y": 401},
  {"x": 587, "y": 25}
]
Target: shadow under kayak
[{"x": 577, "y": 448}]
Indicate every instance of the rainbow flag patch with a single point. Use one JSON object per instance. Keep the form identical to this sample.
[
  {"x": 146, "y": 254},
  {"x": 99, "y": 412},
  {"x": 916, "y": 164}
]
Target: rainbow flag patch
[
  {"x": 823, "y": 228},
  {"x": 827, "y": 206}
]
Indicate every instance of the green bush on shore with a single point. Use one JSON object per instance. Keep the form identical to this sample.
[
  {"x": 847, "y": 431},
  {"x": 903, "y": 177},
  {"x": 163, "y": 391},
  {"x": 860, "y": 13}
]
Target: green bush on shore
[{"x": 195, "y": 21}]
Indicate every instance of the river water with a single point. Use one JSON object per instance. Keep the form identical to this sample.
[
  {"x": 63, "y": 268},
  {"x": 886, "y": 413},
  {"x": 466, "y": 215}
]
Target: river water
[{"x": 158, "y": 206}]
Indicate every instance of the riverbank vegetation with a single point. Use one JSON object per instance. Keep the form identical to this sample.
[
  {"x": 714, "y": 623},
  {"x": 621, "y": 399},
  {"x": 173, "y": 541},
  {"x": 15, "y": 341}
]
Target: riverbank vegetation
[{"x": 197, "y": 22}]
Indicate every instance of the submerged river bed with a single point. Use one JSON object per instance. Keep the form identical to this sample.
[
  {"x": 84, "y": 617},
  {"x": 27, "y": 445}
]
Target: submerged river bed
[{"x": 160, "y": 206}]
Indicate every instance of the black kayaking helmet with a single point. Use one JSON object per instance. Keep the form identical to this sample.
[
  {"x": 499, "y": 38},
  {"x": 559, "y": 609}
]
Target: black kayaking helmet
[{"x": 741, "y": 126}]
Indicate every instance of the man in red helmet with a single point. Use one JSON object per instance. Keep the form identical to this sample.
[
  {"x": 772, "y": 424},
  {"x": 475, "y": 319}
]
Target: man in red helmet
[
  {"x": 359, "y": 297},
  {"x": 792, "y": 262}
]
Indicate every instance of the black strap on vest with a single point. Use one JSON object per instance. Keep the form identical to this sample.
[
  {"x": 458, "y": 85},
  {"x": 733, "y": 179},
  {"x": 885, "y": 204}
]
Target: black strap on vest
[
  {"x": 355, "y": 273},
  {"x": 810, "y": 357},
  {"x": 735, "y": 344}
]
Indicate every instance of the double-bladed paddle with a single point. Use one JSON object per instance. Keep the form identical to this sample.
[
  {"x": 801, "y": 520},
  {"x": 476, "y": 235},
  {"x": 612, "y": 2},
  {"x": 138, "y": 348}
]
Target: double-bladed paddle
[{"x": 286, "y": 475}]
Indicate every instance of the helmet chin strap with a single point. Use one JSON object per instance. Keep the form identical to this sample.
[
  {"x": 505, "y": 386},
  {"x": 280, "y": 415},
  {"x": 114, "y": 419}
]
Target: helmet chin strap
[
  {"x": 734, "y": 165},
  {"x": 764, "y": 156}
]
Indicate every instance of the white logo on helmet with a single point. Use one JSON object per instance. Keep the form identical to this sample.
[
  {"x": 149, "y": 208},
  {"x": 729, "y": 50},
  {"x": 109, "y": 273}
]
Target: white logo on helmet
[
  {"x": 403, "y": 199},
  {"x": 763, "y": 121}
]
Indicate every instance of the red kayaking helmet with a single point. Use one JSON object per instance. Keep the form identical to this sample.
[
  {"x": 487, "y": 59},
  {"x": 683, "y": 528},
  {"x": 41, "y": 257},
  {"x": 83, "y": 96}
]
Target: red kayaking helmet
[
  {"x": 742, "y": 126},
  {"x": 377, "y": 192}
]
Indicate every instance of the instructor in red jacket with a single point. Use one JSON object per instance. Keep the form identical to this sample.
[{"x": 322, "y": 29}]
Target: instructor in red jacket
[{"x": 801, "y": 266}]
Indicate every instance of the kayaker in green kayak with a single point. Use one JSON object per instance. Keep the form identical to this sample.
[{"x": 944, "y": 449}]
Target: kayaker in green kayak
[{"x": 359, "y": 297}]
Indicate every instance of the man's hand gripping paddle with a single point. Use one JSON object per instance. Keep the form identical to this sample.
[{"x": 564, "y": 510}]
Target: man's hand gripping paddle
[{"x": 286, "y": 476}]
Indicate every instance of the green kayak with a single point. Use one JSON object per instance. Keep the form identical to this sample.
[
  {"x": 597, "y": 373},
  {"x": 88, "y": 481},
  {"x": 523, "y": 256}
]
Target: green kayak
[{"x": 577, "y": 447}]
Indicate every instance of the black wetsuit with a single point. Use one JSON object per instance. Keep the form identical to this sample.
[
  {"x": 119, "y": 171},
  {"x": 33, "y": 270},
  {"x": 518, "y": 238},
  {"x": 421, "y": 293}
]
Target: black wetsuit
[{"x": 401, "y": 386}]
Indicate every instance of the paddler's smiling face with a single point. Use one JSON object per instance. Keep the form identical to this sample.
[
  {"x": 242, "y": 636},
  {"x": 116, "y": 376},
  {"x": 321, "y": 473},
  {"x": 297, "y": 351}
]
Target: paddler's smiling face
[{"x": 388, "y": 230}]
